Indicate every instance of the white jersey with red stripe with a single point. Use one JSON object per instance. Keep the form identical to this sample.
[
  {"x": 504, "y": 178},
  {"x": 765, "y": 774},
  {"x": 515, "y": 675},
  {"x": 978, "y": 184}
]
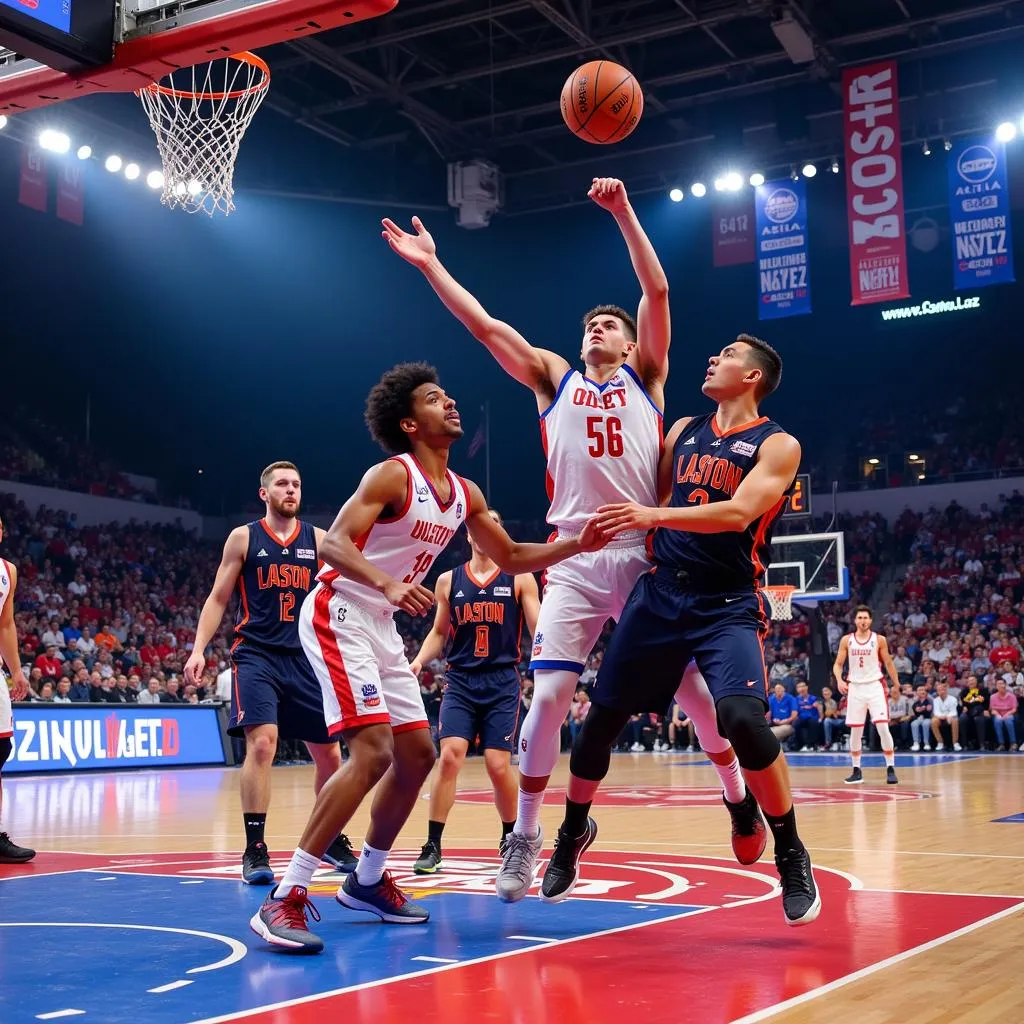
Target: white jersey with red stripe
[
  {"x": 5, "y": 582},
  {"x": 406, "y": 545},
  {"x": 602, "y": 443},
  {"x": 863, "y": 662}
]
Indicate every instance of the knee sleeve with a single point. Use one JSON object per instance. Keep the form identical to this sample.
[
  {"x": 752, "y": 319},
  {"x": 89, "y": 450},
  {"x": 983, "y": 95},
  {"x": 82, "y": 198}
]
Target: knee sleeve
[
  {"x": 695, "y": 701},
  {"x": 5, "y": 750},
  {"x": 539, "y": 742},
  {"x": 884, "y": 736},
  {"x": 856, "y": 738},
  {"x": 742, "y": 721},
  {"x": 592, "y": 751}
]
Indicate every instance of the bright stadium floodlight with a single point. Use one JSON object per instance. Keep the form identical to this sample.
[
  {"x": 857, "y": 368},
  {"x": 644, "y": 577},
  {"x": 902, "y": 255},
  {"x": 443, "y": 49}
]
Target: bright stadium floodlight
[
  {"x": 132, "y": 171},
  {"x": 733, "y": 181},
  {"x": 155, "y": 179},
  {"x": 835, "y": 166},
  {"x": 194, "y": 188},
  {"x": 54, "y": 141},
  {"x": 719, "y": 183},
  {"x": 809, "y": 170},
  {"x": 757, "y": 179},
  {"x": 698, "y": 189},
  {"x": 113, "y": 163},
  {"x": 676, "y": 195},
  {"x": 179, "y": 188},
  {"x": 926, "y": 150},
  {"x": 84, "y": 152},
  {"x": 1006, "y": 131}
]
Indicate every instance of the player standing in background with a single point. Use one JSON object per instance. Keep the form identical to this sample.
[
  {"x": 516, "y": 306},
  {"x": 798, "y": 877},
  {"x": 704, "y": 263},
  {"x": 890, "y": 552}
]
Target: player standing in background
[
  {"x": 729, "y": 472},
  {"x": 867, "y": 653},
  {"x": 383, "y": 542},
  {"x": 602, "y": 435},
  {"x": 10, "y": 853},
  {"x": 272, "y": 565},
  {"x": 480, "y": 614}
]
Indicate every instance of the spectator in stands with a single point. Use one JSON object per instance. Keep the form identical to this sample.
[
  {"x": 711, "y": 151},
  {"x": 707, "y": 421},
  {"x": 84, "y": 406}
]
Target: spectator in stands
[
  {"x": 151, "y": 694},
  {"x": 807, "y": 726},
  {"x": 900, "y": 715},
  {"x": 945, "y": 711},
  {"x": 782, "y": 711},
  {"x": 921, "y": 722},
  {"x": 63, "y": 694},
  {"x": 974, "y": 699},
  {"x": 904, "y": 666},
  {"x": 1003, "y": 707},
  {"x": 170, "y": 694}
]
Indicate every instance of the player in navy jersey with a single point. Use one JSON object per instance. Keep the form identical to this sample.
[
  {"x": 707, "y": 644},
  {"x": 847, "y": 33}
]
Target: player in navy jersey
[
  {"x": 480, "y": 615},
  {"x": 725, "y": 475},
  {"x": 271, "y": 565}
]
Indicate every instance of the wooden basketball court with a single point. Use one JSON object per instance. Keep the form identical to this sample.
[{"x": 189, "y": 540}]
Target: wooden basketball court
[{"x": 921, "y": 884}]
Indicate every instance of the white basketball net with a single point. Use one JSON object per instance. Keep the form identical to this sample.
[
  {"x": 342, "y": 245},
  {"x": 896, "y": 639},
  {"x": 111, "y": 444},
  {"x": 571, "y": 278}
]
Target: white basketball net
[
  {"x": 781, "y": 601},
  {"x": 199, "y": 116}
]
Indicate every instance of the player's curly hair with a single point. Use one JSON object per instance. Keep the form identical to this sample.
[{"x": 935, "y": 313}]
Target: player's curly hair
[
  {"x": 390, "y": 401},
  {"x": 628, "y": 323}
]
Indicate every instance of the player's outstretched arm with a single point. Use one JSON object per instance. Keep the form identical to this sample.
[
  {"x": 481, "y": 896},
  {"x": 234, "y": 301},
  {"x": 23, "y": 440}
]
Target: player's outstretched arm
[
  {"x": 529, "y": 600},
  {"x": 434, "y": 641},
  {"x": 762, "y": 489},
  {"x": 653, "y": 321},
  {"x": 837, "y": 667},
  {"x": 383, "y": 486},
  {"x": 220, "y": 594},
  {"x": 9, "y": 641},
  {"x": 537, "y": 368},
  {"x": 886, "y": 659},
  {"x": 517, "y": 558}
]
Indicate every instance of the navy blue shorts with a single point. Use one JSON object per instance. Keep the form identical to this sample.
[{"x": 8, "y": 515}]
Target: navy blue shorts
[
  {"x": 663, "y": 626},
  {"x": 484, "y": 704},
  {"x": 274, "y": 686}
]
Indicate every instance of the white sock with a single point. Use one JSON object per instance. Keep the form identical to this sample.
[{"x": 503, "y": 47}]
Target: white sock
[
  {"x": 299, "y": 872},
  {"x": 527, "y": 820},
  {"x": 370, "y": 868},
  {"x": 733, "y": 786}
]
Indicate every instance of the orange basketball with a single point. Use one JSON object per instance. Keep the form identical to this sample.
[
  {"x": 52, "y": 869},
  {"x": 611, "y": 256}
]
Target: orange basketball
[{"x": 601, "y": 102}]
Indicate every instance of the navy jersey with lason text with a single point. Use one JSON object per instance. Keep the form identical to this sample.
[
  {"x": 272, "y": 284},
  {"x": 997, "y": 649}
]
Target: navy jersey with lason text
[
  {"x": 707, "y": 466},
  {"x": 275, "y": 579},
  {"x": 486, "y": 620}
]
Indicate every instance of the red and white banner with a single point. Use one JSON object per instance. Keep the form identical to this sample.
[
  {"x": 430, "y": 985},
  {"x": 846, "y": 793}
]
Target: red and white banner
[
  {"x": 874, "y": 184},
  {"x": 32, "y": 189},
  {"x": 70, "y": 193},
  {"x": 732, "y": 230}
]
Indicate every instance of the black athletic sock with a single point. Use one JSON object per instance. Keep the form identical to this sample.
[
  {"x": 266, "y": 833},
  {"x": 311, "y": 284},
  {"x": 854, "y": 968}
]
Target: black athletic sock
[
  {"x": 507, "y": 827},
  {"x": 575, "y": 818},
  {"x": 783, "y": 831},
  {"x": 434, "y": 830},
  {"x": 254, "y": 826}
]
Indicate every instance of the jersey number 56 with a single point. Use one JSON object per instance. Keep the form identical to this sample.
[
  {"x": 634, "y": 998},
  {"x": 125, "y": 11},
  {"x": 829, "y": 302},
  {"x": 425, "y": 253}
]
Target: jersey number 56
[{"x": 605, "y": 436}]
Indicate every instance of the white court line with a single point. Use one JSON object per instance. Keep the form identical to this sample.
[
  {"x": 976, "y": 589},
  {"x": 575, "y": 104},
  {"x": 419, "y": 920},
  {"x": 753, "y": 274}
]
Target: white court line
[
  {"x": 169, "y": 987},
  {"x": 59, "y": 1013},
  {"x": 864, "y": 972},
  {"x": 108, "y": 878},
  {"x": 532, "y": 938},
  {"x": 193, "y": 881},
  {"x": 436, "y": 959}
]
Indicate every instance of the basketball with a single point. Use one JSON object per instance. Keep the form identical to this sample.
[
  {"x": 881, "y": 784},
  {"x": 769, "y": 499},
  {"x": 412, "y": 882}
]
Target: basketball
[{"x": 601, "y": 102}]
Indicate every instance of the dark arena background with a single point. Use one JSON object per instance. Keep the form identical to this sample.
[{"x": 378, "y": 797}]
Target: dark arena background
[{"x": 154, "y": 362}]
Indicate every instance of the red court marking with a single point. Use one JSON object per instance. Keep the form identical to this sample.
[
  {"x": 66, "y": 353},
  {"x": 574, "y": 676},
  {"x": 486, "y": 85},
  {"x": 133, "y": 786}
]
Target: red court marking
[{"x": 710, "y": 796}]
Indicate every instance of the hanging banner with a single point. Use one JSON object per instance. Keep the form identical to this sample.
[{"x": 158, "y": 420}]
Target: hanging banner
[
  {"x": 732, "y": 230},
  {"x": 32, "y": 190},
  {"x": 874, "y": 184},
  {"x": 979, "y": 214},
  {"x": 70, "y": 193},
  {"x": 782, "y": 263}
]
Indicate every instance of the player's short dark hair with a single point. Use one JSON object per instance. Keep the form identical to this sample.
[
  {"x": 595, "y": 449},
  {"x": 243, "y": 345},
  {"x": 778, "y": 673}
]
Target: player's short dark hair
[
  {"x": 628, "y": 323},
  {"x": 267, "y": 473},
  {"x": 390, "y": 401},
  {"x": 767, "y": 360},
  {"x": 861, "y": 608}
]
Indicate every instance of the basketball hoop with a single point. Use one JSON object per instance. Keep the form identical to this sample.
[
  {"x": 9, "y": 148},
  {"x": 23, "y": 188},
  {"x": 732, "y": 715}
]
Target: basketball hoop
[
  {"x": 781, "y": 601},
  {"x": 199, "y": 121}
]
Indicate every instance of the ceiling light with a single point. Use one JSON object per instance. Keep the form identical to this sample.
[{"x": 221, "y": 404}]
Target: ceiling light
[
  {"x": 1006, "y": 131},
  {"x": 155, "y": 179},
  {"x": 809, "y": 170},
  {"x": 757, "y": 179},
  {"x": 84, "y": 152},
  {"x": 699, "y": 189},
  {"x": 835, "y": 166},
  {"x": 131, "y": 171},
  {"x": 54, "y": 141},
  {"x": 113, "y": 163}
]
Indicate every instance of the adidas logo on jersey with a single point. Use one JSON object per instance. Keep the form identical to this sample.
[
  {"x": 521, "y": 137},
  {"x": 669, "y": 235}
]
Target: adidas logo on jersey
[
  {"x": 482, "y": 591},
  {"x": 262, "y": 553},
  {"x": 460, "y": 594},
  {"x": 692, "y": 440},
  {"x": 284, "y": 551}
]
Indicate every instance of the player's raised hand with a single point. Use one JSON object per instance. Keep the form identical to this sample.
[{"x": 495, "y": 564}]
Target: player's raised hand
[
  {"x": 592, "y": 537},
  {"x": 19, "y": 685},
  {"x": 195, "y": 667},
  {"x": 609, "y": 194},
  {"x": 410, "y": 597},
  {"x": 417, "y": 249},
  {"x": 627, "y": 515}
]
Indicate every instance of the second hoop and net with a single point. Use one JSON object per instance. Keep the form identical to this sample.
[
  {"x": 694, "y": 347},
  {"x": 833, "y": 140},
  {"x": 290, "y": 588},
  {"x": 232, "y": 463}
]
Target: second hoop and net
[{"x": 199, "y": 116}]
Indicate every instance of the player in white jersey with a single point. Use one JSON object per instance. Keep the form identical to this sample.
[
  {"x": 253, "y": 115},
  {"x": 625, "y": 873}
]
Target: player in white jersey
[
  {"x": 865, "y": 654},
  {"x": 602, "y": 434},
  {"x": 382, "y": 544},
  {"x": 10, "y": 853}
]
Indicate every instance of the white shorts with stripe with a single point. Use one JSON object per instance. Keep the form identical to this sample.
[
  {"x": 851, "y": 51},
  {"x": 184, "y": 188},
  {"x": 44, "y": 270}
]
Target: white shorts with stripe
[
  {"x": 6, "y": 714},
  {"x": 864, "y": 697},
  {"x": 359, "y": 659}
]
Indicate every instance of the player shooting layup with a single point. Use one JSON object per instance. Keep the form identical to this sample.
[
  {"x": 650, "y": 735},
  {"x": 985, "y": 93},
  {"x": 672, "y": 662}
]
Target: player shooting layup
[{"x": 602, "y": 435}]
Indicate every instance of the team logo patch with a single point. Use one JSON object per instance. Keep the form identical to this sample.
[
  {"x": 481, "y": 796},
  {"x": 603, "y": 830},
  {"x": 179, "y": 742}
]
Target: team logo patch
[
  {"x": 371, "y": 698},
  {"x": 305, "y": 553},
  {"x": 538, "y": 643},
  {"x": 422, "y": 493},
  {"x": 502, "y": 591},
  {"x": 458, "y": 510},
  {"x": 743, "y": 448}
]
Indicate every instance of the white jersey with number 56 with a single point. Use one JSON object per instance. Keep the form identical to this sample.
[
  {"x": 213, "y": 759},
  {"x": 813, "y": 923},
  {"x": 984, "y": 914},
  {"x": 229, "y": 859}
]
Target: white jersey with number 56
[{"x": 602, "y": 443}]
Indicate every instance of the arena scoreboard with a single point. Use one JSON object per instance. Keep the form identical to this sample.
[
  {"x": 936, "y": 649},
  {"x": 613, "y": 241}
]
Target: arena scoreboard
[
  {"x": 67, "y": 35},
  {"x": 798, "y": 504}
]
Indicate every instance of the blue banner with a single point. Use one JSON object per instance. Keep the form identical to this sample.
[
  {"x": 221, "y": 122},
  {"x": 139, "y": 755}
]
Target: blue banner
[
  {"x": 979, "y": 214},
  {"x": 69, "y": 737},
  {"x": 782, "y": 261}
]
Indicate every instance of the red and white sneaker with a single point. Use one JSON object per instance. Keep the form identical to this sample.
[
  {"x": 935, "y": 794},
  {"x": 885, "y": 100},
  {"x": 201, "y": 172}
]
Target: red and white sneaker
[
  {"x": 749, "y": 836},
  {"x": 281, "y": 921}
]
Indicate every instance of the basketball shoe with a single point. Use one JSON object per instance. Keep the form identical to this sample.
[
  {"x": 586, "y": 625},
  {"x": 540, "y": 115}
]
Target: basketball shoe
[
  {"x": 11, "y": 853},
  {"x": 801, "y": 902},
  {"x": 430, "y": 859},
  {"x": 384, "y": 899},
  {"x": 281, "y": 921},
  {"x": 518, "y": 865},
  {"x": 563, "y": 870},
  {"x": 749, "y": 836},
  {"x": 256, "y": 869},
  {"x": 340, "y": 855}
]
